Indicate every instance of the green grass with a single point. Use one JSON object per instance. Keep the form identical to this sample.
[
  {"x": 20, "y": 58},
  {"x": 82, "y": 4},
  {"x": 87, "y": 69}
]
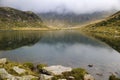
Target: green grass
[
  {"x": 77, "y": 73},
  {"x": 107, "y": 31},
  {"x": 13, "y": 18}
]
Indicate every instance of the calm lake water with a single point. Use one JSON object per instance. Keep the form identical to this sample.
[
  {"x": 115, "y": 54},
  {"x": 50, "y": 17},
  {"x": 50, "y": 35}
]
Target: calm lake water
[{"x": 67, "y": 48}]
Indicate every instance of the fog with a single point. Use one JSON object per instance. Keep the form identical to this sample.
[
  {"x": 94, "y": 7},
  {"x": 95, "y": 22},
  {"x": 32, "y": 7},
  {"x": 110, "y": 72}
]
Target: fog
[{"x": 63, "y": 6}]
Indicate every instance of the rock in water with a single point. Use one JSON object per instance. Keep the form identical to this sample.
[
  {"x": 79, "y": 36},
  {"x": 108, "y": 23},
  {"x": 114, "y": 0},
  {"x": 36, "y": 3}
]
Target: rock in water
[
  {"x": 3, "y": 61},
  {"x": 18, "y": 70},
  {"x": 57, "y": 70}
]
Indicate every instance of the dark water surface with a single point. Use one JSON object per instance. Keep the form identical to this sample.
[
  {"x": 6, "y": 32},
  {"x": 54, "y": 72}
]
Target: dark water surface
[{"x": 67, "y": 48}]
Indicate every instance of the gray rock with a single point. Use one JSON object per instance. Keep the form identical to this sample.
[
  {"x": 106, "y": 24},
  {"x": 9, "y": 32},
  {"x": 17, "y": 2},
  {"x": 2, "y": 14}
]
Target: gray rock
[
  {"x": 45, "y": 77},
  {"x": 28, "y": 77},
  {"x": 71, "y": 78},
  {"x": 3, "y": 61},
  {"x": 57, "y": 70},
  {"x": 88, "y": 77},
  {"x": 5, "y": 74},
  {"x": 18, "y": 70}
]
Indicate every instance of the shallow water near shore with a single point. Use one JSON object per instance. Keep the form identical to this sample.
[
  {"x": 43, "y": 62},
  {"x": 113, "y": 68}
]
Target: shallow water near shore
[{"x": 67, "y": 48}]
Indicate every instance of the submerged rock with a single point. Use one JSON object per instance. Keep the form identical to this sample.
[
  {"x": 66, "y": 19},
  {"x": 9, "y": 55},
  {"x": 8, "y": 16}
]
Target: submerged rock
[
  {"x": 90, "y": 65},
  {"x": 57, "y": 70},
  {"x": 18, "y": 70},
  {"x": 3, "y": 61}
]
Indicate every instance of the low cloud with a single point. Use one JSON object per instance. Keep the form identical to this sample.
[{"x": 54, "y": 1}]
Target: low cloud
[{"x": 63, "y": 6}]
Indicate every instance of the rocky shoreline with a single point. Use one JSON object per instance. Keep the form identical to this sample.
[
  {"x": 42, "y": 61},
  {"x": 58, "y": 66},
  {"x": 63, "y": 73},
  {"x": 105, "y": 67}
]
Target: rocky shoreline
[{"x": 27, "y": 71}]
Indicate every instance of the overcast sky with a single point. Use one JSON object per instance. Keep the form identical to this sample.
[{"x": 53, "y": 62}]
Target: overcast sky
[{"x": 75, "y": 6}]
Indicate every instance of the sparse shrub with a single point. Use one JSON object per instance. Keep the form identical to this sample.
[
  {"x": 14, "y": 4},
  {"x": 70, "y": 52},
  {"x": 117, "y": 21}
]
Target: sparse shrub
[
  {"x": 77, "y": 73},
  {"x": 29, "y": 65},
  {"x": 40, "y": 67},
  {"x": 113, "y": 77}
]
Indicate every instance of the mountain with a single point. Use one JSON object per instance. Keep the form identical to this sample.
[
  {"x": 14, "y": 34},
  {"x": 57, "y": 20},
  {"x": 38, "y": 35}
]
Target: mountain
[
  {"x": 107, "y": 30},
  {"x": 71, "y": 19},
  {"x": 113, "y": 20},
  {"x": 10, "y": 17}
]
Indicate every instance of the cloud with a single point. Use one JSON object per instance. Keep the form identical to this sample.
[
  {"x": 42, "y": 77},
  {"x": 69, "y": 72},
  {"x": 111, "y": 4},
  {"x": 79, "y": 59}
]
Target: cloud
[{"x": 75, "y": 6}]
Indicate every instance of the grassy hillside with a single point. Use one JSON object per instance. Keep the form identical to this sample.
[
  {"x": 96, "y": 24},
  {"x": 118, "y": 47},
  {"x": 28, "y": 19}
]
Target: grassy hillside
[
  {"x": 107, "y": 30},
  {"x": 12, "y": 18}
]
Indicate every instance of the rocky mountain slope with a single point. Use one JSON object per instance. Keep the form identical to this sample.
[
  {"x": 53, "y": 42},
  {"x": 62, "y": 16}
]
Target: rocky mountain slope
[
  {"x": 107, "y": 30},
  {"x": 10, "y": 18}
]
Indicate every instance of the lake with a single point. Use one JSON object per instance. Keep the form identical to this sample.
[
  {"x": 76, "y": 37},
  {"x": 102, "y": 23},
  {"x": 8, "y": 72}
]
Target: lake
[{"x": 67, "y": 48}]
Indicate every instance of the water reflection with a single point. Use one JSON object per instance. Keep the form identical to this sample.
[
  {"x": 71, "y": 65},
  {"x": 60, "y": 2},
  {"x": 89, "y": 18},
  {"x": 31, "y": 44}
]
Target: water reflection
[
  {"x": 17, "y": 39},
  {"x": 68, "y": 48}
]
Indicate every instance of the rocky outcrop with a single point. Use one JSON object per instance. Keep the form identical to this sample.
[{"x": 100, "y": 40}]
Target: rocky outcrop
[
  {"x": 57, "y": 70},
  {"x": 5, "y": 75},
  {"x": 15, "y": 71}
]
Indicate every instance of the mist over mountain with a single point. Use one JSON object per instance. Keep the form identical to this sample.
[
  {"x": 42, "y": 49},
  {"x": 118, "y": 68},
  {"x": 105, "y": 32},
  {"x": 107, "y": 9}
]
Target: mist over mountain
[
  {"x": 71, "y": 19},
  {"x": 63, "y": 6}
]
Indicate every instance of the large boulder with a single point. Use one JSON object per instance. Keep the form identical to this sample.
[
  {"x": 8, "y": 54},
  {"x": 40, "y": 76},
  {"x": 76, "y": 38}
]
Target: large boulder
[
  {"x": 19, "y": 70},
  {"x": 57, "y": 70},
  {"x": 5, "y": 74},
  {"x": 45, "y": 77}
]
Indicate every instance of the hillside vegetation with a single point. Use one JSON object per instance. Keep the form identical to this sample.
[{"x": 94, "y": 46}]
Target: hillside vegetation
[
  {"x": 12, "y": 18},
  {"x": 107, "y": 30}
]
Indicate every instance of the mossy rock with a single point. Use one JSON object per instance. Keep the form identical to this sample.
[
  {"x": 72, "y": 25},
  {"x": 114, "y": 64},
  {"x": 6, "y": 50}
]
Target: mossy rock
[
  {"x": 40, "y": 67},
  {"x": 77, "y": 73},
  {"x": 113, "y": 77}
]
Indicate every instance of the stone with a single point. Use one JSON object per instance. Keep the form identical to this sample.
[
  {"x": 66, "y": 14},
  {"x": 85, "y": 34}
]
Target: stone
[
  {"x": 88, "y": 77},
  {"x": 18, "y": 70},
  {"x": 90, "y": 65},
  {"x": 5, "y": 74},
  {"x": 99, "y": 74},
  {"x": 3, "y": 61},
  {"x": 45, "y": 77},
  {"x": 28, "y": 77},
  {"x": 57, "y": 70},
  {"x": 71, "y": 78}
]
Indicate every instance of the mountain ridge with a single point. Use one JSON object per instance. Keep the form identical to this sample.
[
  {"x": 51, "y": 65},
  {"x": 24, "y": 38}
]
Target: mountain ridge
[
  {"x": 71, "y": 19},
  {"x": 107, "y": 30},
  {"x": 10, "y": 17}
]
